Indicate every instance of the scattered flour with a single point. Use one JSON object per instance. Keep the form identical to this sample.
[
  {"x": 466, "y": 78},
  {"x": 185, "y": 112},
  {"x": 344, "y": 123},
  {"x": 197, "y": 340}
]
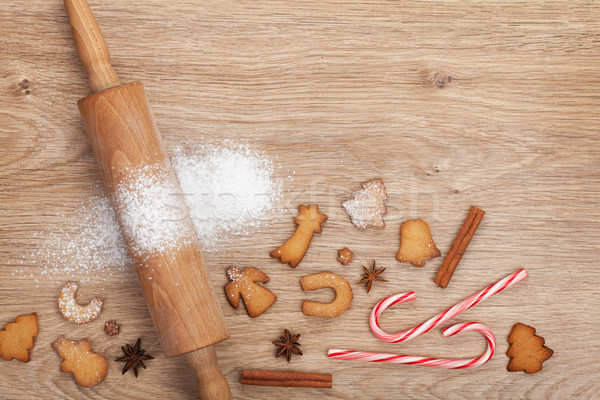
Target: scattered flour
[
  {"x": 150, "y": 211},
  {"x": 88, "y": 241},
  {"x": 230, "y": 191}
]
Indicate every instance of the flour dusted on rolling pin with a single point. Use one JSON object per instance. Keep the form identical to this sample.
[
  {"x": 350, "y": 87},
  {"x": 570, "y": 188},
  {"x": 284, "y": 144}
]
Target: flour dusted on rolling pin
[
  {"x": 230, "y": 191},
  {"x": 151, "y": 210}
]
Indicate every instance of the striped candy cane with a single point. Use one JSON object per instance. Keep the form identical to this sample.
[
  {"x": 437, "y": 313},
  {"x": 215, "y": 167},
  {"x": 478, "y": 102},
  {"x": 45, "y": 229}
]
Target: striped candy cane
[
  {"x": 427, "y": 361},
  {"x": 427, "y": 326}
]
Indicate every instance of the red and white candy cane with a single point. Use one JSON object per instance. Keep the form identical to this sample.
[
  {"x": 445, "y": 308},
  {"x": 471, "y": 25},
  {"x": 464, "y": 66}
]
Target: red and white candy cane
[
  {"x": 427, "y": 361},
  {"x": 427, "y": 326}
]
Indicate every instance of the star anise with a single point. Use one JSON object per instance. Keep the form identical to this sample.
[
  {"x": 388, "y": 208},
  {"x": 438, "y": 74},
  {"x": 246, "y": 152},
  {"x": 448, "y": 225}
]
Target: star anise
[
  {"x": 371, "y": 276},
  {"x": 133, "y": 356},
  {"x": 288, "y": 344}
]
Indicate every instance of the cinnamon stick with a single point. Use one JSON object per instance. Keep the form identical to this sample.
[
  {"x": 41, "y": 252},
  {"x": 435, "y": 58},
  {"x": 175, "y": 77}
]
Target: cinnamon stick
[
  {"x": 285, "y": 378},
  {"x": 465, "y": 234}
]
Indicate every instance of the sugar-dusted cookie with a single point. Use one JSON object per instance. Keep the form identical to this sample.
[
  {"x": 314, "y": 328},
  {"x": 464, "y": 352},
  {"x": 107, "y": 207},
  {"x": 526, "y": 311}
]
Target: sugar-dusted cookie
[
  {"x": 112, "y": 328},
  {"x": 18, "y": 338},
  {"x": 242, "y": 284},
  {"x": 367, "y": 206},
  {"x": 74, "y": 312},
  {"x": 416, "y": 243},
  {"x": 527, "y": 351},
  {"x": 343, "y": 295},
  {"x": 345, "y": 256},
  {"x": 88, "y": 368}
]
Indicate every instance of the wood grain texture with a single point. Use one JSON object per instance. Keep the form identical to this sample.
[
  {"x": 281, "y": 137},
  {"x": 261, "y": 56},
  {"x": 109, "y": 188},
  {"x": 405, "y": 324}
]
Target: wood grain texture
[
  {"x": 451, "y": 103},
  {"x": 90, "y": 45},
  {"x": 174, "y": 278}
]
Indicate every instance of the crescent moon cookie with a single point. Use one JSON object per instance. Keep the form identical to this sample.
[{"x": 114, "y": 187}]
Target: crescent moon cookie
[
  {"x": 343, "y": 295},
  {"x": 72, "y": 311}
]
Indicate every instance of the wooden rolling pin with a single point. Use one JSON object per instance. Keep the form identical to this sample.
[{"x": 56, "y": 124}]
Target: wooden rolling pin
[{"x": 125, "y": 138}]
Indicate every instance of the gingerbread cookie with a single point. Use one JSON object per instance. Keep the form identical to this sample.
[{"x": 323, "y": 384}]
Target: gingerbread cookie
[
  {"x": 345, "y": 256},
  {"x": 416, "y": 243},
  {"x": 74, "y": 312},
  {"x": 242, "y": 283},
  {"x": 343, "y": 295},
  {"x": 527, "y": 351},
  {"x": 88, "y": 368},
  {"x": 18, "y": 338},
  {"x": 309, "y": 222},
  {"x": 367, "y": 206},
  {"x": 112, "y": 328}
]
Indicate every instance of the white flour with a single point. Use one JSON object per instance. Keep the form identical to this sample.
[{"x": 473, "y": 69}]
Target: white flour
[
  {"x": 88, "y": 241},
  {"x": 230, "y": 192},
  {"x": 149, "y": 212}
]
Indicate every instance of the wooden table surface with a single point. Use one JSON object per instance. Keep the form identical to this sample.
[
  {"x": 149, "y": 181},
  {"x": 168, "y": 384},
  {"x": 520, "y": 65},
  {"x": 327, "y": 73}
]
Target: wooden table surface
[{"x": 451, "y": 103}]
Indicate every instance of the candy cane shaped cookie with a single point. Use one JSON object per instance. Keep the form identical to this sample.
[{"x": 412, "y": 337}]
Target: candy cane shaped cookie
[
  {"x": 428, "y": 325},
  {"x": 343, "y": 295}
]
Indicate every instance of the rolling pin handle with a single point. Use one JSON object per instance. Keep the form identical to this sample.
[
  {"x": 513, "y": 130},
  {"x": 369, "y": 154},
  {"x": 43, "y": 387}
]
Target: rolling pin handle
[
  {"x": 91, "y": 46},
  {"x": 212, "y": 384},
  {"x": 119, "y": 121}
]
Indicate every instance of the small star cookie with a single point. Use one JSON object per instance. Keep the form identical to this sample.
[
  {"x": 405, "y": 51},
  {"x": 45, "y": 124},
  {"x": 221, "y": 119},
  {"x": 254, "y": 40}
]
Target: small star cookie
[{"x": 345, "y": 256}]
